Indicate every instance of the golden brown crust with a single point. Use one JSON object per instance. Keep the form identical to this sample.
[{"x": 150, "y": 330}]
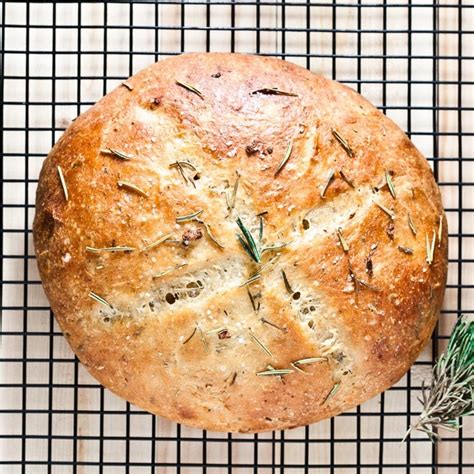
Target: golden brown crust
[{"x": 367, "y": 312}]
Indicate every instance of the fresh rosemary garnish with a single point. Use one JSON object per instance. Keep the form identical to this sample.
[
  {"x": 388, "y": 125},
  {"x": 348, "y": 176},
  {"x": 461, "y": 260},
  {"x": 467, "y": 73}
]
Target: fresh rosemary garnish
[
  {"x": 188, "y": 217},
  {"x": 117, "y": 248},
  {"x": 406, "y": 250},
  {"x": 169, "y": 270},
  {"x": 127, "y": 85},
  {"x": 117, "y": 153},
  {"x": 430, "y": 248},
  {"x": 329, "y": 180},
  {"x": 190, "y": 336},
  {"x": 384, "y": 209},
  {"x": 343, "y": 142},
  {"x": 411, "y": 225},
  {"x": 450, "y": 395},
  {"x": 440, "y": 231},
  {"x": 275, "y": 372},
  {"x": 273, "y": 325},
  {"x": 209, "y": 232},
  {"x": 391, "y": 187},
  {"x": 248, "y": 242},
  {"x": 231, "y": 199},
  {"x": 331, "y": 393},
  {"x": 131, "y": 187},
  {"x": 260, "y": 344},
  {"x": 99, "y": 299},
  {"x": 63, "y": 183},
  {"x": 287, "y": 283},
  {"x": 273, "y": 91},
  {"x": 343, "y": 242},
  {"x": 158, "y": 241},
  {"x": 346, "y": 179},
  {"x": 285, "y": 158},
  {"x": 190, "y": 88}
]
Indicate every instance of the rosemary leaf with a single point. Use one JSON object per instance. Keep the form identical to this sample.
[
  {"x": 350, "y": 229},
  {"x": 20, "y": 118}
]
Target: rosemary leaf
[
  {"x": 131, "y": 187},
  {"x": 278, "y": 372},
  {"x": 273, "y": 325},
  {"x": 411, "y": 225},
  {"x": 285, "y": 158},
  {"x": 190, "y": 336},
  {"x": 440, "y": 231},
  {"x": 188, "y": 217},
  {"x": 117, "y": 153},
  {"x": 158, "y": 241},
  {"x": 331, "y": 393},
  {"x": 260, "y": 228},
  {"x": 127, "y": 85},
  {"x": 273, "y": 91},
  {"x": 260, "y": 344},
  {"x": 310, "y": 360},
  {"x": 449, "y": 397},
  {"x": 390, "y": 185},
  {"x": 292, "y": 364},
  {"x": 346, "y": 179},
  {"x": 384, "y": 209},
  {"x": 248, "y": 242},
  {"x": 231, "y": 199},
  {"x": 203, "y": 339},
  {"x": 190, "y": 88},
  {"x": 209, "y": 233},
  {"x": 430, "y": 248},
  {"x": 343, "y": 142},
  {"x": 406, "y": 250},
  {"x": 169, "y": 270},
  {"x": 275, "y": 247},
  {"x": 329, "y": 180},
  {"x": 63, "y": 183},
  {"x": 185, "y": 164},
  {"x": 343, "y": 242},
  {"x": 99, "y": 299},
  {"x": 252, "y": 301},
  {"x": 287, "y": 283},
  {"x": 253, "y": 278},
  {"x": 118, "y": 248}
]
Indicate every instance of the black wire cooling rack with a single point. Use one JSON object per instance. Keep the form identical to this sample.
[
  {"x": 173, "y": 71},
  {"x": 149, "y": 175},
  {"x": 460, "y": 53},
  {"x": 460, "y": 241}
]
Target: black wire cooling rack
[{"x": 413, "y": 59}]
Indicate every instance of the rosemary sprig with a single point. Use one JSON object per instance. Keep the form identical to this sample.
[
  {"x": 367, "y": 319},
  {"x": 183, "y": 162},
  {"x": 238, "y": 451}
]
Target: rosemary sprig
[
  {"x": 343, "y": 242},
  {"x": 248, "y": 242},
  {"x": 131, "y": 187},
  {"x": 191, "y": 88},
  {"x": 117, "y": 153},
  {"x": 158, "y": 241},
  {"x": 275, "y": 372},
  {"x": 285, "y": 159},
  {"x": 273, "y": 91},
  {"x": 231, "y": 199},
  {"x": 329, "y": 180},
  {"x": 411, "y": 226},
  {"x": 343, "y": 142},
  {"x": 169, "y": 270},
  {"x": 260, "y": 344},
  {"x": 390, "y": 185},
  {"x": 99, "y": 299},
  {"x": 63, "y": 183},
  {"x": 188, "y": 217},
  {"x": 450, "y": 395},
  {"x": 118, "y": 248}
]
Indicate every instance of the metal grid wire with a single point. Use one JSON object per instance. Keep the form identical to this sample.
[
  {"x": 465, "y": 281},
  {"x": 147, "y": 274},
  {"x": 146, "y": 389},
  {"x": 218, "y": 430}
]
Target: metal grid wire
[{"x": 413, "y": 59}]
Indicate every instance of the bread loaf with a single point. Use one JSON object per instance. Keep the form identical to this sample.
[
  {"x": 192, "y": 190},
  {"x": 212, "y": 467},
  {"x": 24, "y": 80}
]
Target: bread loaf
[{"x": 238, "y": 244}]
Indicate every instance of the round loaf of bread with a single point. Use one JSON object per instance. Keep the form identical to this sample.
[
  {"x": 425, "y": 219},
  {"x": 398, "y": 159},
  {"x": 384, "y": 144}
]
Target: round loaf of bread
[{"x": 238, "y": 244}]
